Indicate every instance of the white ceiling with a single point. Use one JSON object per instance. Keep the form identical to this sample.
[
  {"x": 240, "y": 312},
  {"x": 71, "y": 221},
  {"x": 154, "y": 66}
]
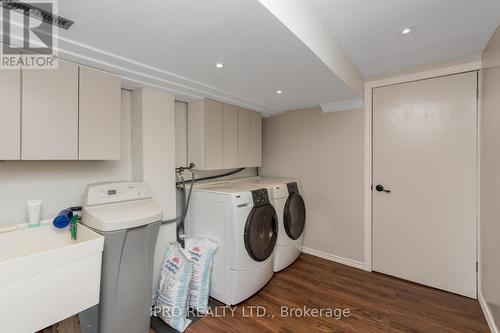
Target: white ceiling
[
  {"x": 182, "y": 39},
  {"x": 173, "y": 44},
  {"x": 369, "y": 30}
]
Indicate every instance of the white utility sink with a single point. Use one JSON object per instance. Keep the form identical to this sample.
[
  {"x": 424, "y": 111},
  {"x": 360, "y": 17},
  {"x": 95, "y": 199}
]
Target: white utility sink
[{"x": 46, "y": 277}]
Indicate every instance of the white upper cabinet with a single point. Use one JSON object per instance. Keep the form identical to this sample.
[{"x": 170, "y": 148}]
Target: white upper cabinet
[
  {"x": 10, "y": 114},
  {"x": 68, "y": 113},
  {"x": 230, "y": 127},
  {"x": 99, "y": 115},
  {"x": 214, "y": 135},
  {"x": 250, "y": 138},
  {"x": 50, "y": 113},
  {"x": 256, "y": 139},
  {"x": 223, "y": 136},
  {"x": 206, "y": 135},
  {"x": 244, "y": 140}
]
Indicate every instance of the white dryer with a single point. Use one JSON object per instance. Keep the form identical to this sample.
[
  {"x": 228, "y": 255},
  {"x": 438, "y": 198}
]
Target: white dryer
[
  {"x": 291, "y": 210},
  {"x": 241, "y": 219}
]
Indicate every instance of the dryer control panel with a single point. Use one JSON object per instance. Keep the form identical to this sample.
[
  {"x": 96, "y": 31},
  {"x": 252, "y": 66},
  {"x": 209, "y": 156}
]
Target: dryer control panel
[{"x": 260, "y": 197}]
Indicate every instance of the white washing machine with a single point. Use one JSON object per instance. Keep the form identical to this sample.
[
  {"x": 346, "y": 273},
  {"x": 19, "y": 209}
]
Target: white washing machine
[
  {"x": 241, "y": 219},
  {"x": 291, "y": 210}
]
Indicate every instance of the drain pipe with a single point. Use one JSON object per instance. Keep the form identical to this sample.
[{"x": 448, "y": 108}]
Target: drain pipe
[
  {"x": 179, "y": 220},
  {"x": 185, "y": 207},
  {"x": 180, "y": 185}
]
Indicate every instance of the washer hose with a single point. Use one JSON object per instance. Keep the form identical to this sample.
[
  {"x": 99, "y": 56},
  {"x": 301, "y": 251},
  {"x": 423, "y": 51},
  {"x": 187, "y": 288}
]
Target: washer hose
[
  {"x": 212, "y": 177},
  {"x": 184, "y": 207}
]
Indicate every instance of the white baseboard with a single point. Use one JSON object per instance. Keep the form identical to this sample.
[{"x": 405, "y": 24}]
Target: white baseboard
[
  {"x": 487, "y": 313},
  {"x": 334, "y": 258}
]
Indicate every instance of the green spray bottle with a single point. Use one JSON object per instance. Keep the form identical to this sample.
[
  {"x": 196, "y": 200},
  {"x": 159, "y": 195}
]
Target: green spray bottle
[{"x": 72, "y": 226}]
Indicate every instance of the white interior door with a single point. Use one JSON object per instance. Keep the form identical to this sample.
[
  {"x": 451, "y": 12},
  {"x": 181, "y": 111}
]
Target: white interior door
[{"x": 425, "y": 154}]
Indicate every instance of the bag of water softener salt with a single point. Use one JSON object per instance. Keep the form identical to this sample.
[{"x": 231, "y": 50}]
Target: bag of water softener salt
[
  {"x": 202, "y": 253},
  {"x": 173, "y": 289}
]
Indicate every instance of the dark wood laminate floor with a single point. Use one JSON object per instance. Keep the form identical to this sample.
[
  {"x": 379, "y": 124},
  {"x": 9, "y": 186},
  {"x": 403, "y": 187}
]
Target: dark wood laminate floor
[{"x": 378, "y": 303}]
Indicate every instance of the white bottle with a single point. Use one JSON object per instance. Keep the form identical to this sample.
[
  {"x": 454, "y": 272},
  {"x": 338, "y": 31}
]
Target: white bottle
[{"x": 33, "y": 207}]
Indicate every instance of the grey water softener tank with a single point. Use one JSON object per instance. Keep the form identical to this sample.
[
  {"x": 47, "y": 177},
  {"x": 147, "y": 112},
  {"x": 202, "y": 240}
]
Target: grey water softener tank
[{"x": 128, "y": 218}]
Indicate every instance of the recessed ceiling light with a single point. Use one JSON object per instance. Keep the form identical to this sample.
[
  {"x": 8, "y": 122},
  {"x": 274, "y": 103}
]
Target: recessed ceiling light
[
  {"x": 219, "y": 65},
  {"x": 279, "y": 91},
  {"x": 407, "y": 30}
]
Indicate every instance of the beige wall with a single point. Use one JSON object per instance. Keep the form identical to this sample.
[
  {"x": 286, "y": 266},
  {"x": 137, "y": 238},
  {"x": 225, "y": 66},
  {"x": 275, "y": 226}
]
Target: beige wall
[
  {"x": 490, "y": 186},
  {"x": 494, "y": 43},
  {"x": 324, "y": 151}
]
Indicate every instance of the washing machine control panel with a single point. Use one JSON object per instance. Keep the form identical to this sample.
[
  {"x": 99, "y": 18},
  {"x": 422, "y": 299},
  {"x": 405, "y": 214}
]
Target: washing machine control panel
[
  {"x": 292, "y": 188},
  {"x": 260, "y": 197}
]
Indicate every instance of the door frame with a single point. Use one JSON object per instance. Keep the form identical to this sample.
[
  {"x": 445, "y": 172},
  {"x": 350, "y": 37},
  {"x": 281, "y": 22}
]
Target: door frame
[{"x": 468, "y": 66}]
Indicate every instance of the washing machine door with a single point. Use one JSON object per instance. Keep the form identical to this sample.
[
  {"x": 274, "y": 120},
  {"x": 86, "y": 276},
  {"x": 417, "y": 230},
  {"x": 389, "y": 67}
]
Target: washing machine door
[
  {"x": 294, "y": 216},
  {"x": 261, "y": 232}
]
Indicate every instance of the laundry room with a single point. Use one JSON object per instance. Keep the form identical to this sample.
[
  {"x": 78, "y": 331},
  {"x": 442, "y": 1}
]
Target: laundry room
[{"x": 250, "y": 165}]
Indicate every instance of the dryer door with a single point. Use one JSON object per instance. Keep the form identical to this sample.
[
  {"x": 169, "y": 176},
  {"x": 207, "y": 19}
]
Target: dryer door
[
  {"x": 261, "y": 232},
  {"x": 294, "y": 215}
]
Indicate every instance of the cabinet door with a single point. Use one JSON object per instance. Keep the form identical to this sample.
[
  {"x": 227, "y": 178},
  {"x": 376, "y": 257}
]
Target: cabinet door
[
  {"x": 196, "y": 134},
  {"x": 256, "y": 139},
  {"x": 99, "y": 115},
  {"x": 230, "y": 123},
  {"x": 50, "y": 113},
  {"x": 214, "y": 136},
  {"x": 244, "y": 140},
  {"x": 10, "y": 114}
]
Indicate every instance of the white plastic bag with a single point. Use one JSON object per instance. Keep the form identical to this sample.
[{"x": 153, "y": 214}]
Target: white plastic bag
[
  {"x": 173, "y": 289},
  {"x": 202, "y": 252}
]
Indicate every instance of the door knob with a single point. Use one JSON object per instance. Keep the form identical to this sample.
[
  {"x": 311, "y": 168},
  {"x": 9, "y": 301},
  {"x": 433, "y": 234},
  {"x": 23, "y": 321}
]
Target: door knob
[{"x": 380, "y": 188}]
